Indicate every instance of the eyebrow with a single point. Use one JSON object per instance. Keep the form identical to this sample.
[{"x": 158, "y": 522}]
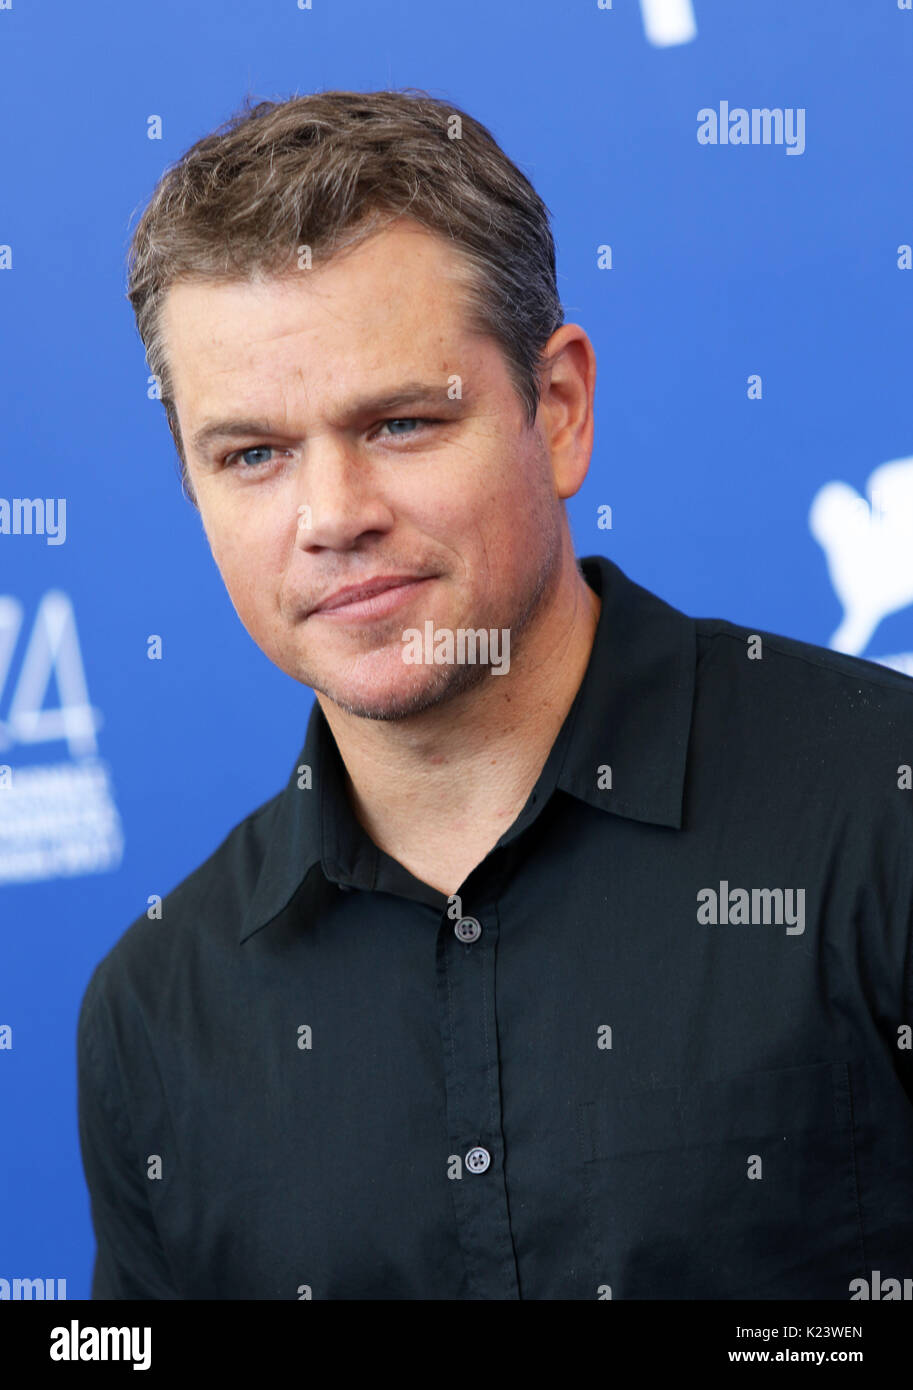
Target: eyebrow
[{"x": 410, "y": 393}]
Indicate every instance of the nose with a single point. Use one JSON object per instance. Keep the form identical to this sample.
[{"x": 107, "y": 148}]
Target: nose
[{"x": 339, "y": 499}]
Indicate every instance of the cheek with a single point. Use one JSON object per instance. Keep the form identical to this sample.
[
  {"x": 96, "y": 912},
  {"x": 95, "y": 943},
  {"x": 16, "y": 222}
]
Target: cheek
[
  {"x": 471, "y": 503},
  {"x": 245, "y": 567}
]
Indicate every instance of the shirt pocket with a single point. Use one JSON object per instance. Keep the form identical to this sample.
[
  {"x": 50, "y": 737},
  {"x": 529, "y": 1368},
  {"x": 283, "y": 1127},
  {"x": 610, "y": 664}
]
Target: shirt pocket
[{"x": 743, "y": 1187}]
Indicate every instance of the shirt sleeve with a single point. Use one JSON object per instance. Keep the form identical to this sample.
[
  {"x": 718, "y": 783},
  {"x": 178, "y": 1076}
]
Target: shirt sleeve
[{"x": 129, "y": 1261}]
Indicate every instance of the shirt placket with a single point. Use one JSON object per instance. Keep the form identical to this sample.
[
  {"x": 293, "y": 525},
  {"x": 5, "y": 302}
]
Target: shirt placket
[{"x": 466, "y": 958}]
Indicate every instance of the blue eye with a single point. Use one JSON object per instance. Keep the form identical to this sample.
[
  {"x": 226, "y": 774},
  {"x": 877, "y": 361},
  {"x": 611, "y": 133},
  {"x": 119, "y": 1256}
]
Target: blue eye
[
  {"x": 405, "y": 420},
  {"x": 230, "y": 460},
  {"x": 420, "y": 421},
  {"x": 252, "y": 449}
]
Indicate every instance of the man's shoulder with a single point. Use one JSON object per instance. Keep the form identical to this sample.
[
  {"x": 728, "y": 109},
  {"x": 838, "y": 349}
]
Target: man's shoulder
[
  {"x": 795, "y": 663},
  {"x": 196, "y": 920},
  {"x": 755, "y": 658},
  {"x": 781, "y": 694}
]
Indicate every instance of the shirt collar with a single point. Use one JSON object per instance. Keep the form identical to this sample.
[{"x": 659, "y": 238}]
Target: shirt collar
[
  {"x": 631, "y": 715},
  {"x": 633, "y": 710}
]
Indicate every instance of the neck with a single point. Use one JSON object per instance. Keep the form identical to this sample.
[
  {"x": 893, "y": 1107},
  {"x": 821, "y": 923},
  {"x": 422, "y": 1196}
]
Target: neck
[{"x": 437, "y": 790}]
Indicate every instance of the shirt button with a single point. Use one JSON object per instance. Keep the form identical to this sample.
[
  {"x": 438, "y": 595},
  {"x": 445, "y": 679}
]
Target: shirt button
[
  {"x": 468, "y": 929},
  {"x": 477, "y": 1160}
]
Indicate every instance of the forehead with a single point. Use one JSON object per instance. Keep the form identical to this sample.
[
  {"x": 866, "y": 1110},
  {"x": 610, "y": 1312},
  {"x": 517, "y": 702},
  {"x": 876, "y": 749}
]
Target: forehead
[{"x": 394, "y": 301}]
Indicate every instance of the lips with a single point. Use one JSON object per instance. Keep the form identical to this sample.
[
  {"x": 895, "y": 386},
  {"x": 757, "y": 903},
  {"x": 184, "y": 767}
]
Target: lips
[{"x": 354, "y": 593}]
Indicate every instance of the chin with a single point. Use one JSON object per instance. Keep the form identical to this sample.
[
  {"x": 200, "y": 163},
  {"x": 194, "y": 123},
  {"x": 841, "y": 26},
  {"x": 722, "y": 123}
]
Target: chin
[{"x": 401, "y": 694}]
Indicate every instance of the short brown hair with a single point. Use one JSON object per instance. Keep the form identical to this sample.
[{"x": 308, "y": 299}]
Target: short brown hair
[{"x": 327, "y": 169}]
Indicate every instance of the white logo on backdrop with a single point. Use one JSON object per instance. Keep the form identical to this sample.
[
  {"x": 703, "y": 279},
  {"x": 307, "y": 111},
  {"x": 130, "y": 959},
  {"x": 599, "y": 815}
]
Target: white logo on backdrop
[
  {"x": 868, "y": 544},
  {"x": 56, "y": 819},
  {"x": 668, "y": 22}
]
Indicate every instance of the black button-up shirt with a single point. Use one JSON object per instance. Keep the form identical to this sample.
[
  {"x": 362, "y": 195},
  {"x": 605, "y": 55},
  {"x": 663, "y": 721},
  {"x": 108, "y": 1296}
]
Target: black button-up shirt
[{"x": 660, "y": 1048}]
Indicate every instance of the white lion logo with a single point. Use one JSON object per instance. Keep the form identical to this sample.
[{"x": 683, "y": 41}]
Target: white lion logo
[{"x": 868, "y": 544}]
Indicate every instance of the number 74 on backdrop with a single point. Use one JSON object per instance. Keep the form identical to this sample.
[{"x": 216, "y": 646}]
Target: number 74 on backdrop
[{"x": 58, "y": 817}]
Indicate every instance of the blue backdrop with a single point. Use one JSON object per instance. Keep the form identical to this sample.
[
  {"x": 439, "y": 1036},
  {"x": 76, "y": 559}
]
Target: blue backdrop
[{"x": 750, "y": 304}]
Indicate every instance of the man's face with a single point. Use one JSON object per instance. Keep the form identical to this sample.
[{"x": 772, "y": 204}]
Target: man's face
[{"x": 326, "y": 488}]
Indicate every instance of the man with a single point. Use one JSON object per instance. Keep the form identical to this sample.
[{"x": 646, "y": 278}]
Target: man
[{"x": 570, "y": 963}]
